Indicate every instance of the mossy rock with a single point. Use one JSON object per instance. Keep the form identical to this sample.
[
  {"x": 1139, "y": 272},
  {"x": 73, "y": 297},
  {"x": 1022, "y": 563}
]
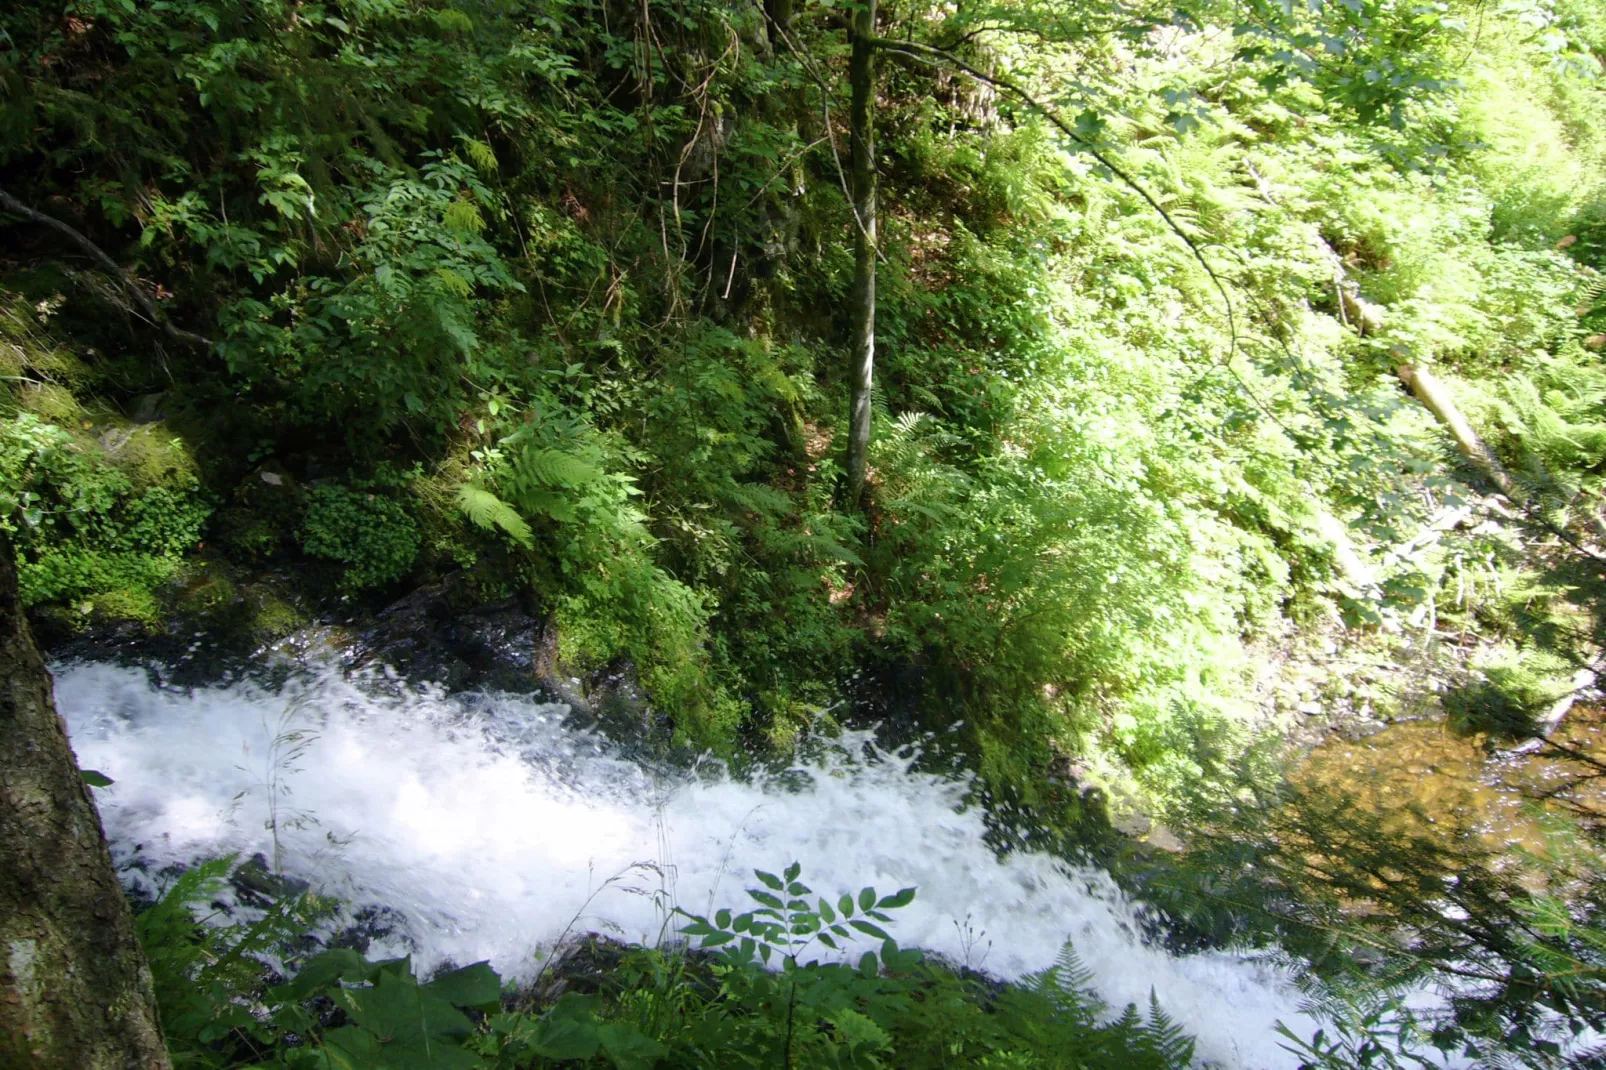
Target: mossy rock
[
  {"x": 273, "y": 613},
  {"x": 206, "y": 593},
  {"x": 133, "y": 605},
  {"x": 151, "y": 455},
  {"x": 234, "y": 612},
  {"x": 51, "y": 402}
]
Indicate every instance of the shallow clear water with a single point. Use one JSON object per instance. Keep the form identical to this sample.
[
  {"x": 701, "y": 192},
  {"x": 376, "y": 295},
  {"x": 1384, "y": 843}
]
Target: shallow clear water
[
  {"x": 492, "y": 830},
  {"x": 1427, "y": 778}
]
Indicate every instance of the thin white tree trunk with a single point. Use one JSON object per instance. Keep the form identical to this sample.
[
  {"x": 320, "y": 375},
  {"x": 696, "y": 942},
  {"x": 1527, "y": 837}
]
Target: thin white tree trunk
[{"x": 861, "y": 369}]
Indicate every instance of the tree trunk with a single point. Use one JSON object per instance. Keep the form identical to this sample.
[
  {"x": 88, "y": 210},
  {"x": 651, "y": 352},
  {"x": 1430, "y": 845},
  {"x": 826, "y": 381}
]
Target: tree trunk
[
  {"x": 1432, "y": 394},
  {"x": 861, "y": 370},
  {"x": 75, "y": 992}
]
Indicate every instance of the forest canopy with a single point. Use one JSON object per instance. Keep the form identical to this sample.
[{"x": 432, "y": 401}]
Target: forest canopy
[{"x": 553, "y": 300}]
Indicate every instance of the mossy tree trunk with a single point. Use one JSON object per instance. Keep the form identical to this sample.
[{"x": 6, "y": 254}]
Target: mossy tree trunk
[
  {"x": 75, "y": 992},
  {"x": 861, "y": 369}
]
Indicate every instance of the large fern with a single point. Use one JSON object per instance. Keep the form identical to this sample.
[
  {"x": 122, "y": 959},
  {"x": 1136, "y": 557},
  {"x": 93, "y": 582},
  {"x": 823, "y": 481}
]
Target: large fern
[
  {"x": 204, "y": 974},
  {"x": 488, "y": 511},
  {"x": 1057, "y": 1016}
]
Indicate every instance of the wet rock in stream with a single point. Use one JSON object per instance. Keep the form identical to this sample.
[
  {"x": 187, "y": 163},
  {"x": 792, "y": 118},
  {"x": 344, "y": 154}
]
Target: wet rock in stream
[{"x": 430, "y": 636}]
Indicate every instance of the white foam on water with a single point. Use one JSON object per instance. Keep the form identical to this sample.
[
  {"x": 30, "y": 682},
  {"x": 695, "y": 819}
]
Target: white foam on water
[{"x": 492, "y": 829}]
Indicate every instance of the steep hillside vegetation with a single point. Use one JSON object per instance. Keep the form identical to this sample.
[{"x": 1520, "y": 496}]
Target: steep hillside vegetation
[{"x": 554, "y": 299}]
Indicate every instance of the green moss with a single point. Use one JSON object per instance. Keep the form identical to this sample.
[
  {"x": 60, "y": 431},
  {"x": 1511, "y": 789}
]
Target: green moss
[
  {"x": 272, "y": 617},
  {"x": 136, "y": 604},
  {"x": 151, "y": 454},
  {"x": 209, "y": 593},
  {"x": 51, "y": 402}
]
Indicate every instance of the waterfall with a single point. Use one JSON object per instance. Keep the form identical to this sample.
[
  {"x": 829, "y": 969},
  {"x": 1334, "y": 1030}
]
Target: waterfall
[{"x": 490, "y": 829}]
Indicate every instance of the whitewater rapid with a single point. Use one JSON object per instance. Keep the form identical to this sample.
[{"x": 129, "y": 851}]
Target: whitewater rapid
[{"x": 491, "y": 829}]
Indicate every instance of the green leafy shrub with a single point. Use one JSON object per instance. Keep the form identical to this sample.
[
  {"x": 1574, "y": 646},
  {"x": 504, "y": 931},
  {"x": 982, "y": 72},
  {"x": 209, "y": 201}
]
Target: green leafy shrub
[
  {"x": 373, "y": 536},
  {"x": 83, "y": 528}
]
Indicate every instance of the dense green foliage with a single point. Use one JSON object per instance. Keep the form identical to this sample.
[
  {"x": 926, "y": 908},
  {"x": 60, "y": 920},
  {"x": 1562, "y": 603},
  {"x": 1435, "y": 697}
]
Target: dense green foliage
[
  {"x": 223, "y": 1006},
  {"x": 550, "y": 296}
]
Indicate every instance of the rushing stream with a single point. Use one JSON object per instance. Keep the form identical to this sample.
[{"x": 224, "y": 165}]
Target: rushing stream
[{"x": 491, "y": 829}]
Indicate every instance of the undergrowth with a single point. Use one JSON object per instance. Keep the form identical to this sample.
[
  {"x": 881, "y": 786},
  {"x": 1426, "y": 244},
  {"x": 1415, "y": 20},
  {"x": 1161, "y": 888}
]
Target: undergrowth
[{"x": 756, "y": 988}]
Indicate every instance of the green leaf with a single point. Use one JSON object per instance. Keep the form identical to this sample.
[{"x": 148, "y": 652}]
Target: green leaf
[
  {"x": 866, "y": 898},
  {"x": 95, "y": 778},
  {"x": 398, "y": 1008},
  {"x": 845, "y": 905},
  {"x": 320, "y": 971},
  {"x": 568, "y": 1030},
  {"x": 769, "y": 880},
  {"x": 565, "y": 1038},
  {"x": 792, "y": 871},
  {"x": 628, "y": 1047},
  {"x": 476, "y": 986},
  {"x": 870, "y": 928},
  {"x": 488, "y": 511},
  {"x": 900, "y": 899},
  {"x": 859, "y": 1031}
]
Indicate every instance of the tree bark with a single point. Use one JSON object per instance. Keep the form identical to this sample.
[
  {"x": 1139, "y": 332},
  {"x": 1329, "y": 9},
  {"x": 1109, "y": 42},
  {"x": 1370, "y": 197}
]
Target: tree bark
[
  {"x": 861, "y": 370},
  {"x": 75, "y": 991}
]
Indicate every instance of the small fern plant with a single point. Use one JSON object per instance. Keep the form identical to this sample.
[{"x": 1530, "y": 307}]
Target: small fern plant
[
  {"x": 485, "y": 510},
  {"x": 1058, "y": 1010}
]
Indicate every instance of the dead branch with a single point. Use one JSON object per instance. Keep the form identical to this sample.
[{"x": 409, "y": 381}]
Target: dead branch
[{"x": 100, "y": 256}]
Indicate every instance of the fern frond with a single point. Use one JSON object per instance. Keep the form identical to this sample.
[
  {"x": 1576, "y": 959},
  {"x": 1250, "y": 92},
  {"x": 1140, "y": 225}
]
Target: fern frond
[
  {"x": 1069, "y": 982},
  {"x": 464, "y": 217},
  {"x": 556, "y": 468},
  {"x": 1166, "y": 1036},
  {"x": 488, "y": 511},
  {"x": 481, "y": 154},
  {"x": 453, "y": 283}
]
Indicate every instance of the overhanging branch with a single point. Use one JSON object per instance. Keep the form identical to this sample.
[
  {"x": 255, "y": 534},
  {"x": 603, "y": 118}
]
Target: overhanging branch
[
  {"x": 15, "y": 207},
  {"x": 931, "y": 54}
]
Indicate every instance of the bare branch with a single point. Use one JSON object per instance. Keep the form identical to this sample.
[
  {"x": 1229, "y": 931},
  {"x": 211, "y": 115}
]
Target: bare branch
[{"x": 99, "y": 255}]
